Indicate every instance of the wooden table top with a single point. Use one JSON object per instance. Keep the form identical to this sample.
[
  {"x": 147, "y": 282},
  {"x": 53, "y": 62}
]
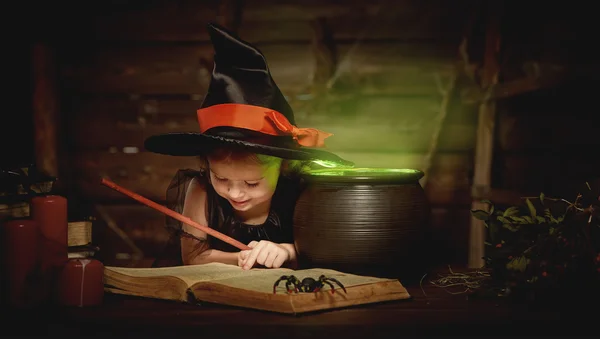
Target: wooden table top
[{"x": 431, "y": 311}]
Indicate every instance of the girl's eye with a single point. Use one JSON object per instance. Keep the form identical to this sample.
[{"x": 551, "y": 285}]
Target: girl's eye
[
  {"x": 252, "y": 184},
  {"x": 220, "y": 179}
]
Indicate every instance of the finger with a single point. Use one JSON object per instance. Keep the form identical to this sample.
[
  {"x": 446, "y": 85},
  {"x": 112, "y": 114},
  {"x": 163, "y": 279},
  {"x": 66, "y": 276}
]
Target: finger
[
  {"x": 281, "y": 258},
  {"x": 271, "y": 258},
  {"x": 251, "y": 259},
  {"x": 264, "y": 253},
  {"x": 253, "y": 244},
  {"x": 242, "y": 257}
]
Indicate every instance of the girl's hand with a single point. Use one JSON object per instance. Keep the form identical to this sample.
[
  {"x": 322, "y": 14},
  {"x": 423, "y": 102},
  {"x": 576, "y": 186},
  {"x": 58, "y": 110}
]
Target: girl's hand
[{"x": 266, "y": 253}]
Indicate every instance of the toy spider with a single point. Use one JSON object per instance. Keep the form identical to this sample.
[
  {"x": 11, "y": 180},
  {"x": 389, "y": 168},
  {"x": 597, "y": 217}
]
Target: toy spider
[{"x": 307, "y": 284}]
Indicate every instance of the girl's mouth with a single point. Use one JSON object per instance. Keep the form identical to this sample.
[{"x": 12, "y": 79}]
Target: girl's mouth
[{"x": 238, "y": 203}]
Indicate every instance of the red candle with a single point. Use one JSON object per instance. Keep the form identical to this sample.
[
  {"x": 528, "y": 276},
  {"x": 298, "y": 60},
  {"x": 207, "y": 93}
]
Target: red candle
[
  {"x": 50, "y": 215},
  {"x": 82, "y": 283},
  {"x": 20, "y": 244}
]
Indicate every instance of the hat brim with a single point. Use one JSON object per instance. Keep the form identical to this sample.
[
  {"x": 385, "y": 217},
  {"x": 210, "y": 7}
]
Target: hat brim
[{"x": 195, "y": 144}]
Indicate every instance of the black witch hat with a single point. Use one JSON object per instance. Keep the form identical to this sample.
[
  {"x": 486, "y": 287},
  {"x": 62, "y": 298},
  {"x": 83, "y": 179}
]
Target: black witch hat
[{"x": 244, "y": 108}]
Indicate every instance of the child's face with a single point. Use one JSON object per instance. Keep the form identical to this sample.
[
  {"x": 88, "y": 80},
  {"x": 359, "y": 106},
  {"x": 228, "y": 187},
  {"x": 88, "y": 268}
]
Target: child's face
[{"x": 245, "y": 184}]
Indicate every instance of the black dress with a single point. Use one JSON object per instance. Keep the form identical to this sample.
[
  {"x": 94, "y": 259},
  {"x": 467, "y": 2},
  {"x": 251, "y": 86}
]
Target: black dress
[{"x": 220, "y": 216}]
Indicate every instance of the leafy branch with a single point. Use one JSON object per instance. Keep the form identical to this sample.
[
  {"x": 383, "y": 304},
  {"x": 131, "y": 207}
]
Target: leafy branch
[{"x": 543, "y": 241}]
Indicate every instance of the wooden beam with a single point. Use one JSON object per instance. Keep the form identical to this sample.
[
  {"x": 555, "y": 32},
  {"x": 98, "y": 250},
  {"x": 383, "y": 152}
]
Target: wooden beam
[
  {"x": 323, "y": 47},
  {"x": 45, "y": 111},
  {"x": 439, "y": 123},
  {"x": 324, "y": 54},
  {"x": 485, "y": 132},
  {"x": 508, "y": 89}
]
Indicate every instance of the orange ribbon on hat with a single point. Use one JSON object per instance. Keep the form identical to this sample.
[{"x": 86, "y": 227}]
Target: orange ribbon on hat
[
  {"x": 310, "y": 137},
  {"x": 260, "y": 119}
]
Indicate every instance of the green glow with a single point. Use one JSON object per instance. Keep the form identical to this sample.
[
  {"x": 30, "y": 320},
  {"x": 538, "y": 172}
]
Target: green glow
[
  {"x": 328, "y": 164},
  {"x": 365, "y": 175},
  {"x": 370, "y": 172}
]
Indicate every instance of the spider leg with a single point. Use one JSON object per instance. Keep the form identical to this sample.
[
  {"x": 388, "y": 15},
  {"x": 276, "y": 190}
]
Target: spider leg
[
  {"x": 283, "y": 277},
  {"x": 330, "y": 285},
  {"x": 292, "y": 280},
  {"x": 326, "y": 280},
  {"x": 288, "y": 286}
]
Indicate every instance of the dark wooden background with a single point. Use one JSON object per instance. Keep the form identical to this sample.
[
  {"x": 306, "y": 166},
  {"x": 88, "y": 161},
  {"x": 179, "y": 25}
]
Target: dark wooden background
[{"x": 399, "y": 83}]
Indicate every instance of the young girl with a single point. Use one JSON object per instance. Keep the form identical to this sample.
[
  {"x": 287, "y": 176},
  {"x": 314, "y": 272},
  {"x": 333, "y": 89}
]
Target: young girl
[
  {"x": 251, "y": 152},
  {"x": 247, "y": 196}
]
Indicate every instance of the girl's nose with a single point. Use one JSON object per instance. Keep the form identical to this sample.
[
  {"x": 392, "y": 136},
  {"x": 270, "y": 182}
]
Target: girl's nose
[{"x": 235, "y": 192}]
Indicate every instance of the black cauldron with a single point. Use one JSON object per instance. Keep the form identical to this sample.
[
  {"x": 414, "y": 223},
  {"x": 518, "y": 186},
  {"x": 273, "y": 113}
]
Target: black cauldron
[{"x": 369, "y": 221}]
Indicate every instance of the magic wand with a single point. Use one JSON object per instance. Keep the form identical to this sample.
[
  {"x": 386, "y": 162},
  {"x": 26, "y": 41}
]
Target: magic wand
[{"x": 175, "y": 215}]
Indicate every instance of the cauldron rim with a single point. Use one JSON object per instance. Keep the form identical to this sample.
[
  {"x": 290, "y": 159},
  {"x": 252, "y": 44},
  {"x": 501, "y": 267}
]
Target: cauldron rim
[{"x": 364, "y": 175}]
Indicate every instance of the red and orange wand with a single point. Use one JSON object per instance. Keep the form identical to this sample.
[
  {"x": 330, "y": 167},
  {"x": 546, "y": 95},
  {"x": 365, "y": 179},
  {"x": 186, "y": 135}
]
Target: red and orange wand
[{"x": 175, "y": 215}]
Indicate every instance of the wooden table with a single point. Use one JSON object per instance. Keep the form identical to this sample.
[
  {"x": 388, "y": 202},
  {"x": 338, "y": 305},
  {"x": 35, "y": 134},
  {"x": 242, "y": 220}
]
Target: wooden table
[{"x": 436, "y": 313}]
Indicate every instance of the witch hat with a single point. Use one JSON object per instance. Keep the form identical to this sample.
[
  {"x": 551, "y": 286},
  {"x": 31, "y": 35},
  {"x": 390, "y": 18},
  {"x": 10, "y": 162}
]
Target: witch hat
[{"x": 244, "y": 108}]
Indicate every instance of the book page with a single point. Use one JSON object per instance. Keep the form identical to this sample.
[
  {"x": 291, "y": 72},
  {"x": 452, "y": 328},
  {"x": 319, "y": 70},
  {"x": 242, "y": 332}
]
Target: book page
[
  {"x": 257, "y": 279},
  {"x": 191, "y": 273},
  {"x": 262, "y": 280}
]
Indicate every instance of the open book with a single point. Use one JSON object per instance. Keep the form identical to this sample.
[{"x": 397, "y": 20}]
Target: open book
[{"x": 231, "y": 285}]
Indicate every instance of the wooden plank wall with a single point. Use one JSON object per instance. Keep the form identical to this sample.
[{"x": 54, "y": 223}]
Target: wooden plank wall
[
  {"x": 133, "y": 70},
  {"x": 547, "y": 140},
  {"x": 141, "y": 71}
]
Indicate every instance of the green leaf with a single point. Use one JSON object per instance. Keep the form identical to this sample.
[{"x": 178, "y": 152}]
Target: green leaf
[
  {"x": 503, "y": 220},
  {"x": 549, "y": 216},
  {"x": 532, "y": 209},
  {"x": 491, "y": 206},
  {"x": 511, "y": 211},
  {"x": 551, "y": 230},
  {"x": 518, "y": 264},
  {"x": 480, "y": 214},
  {"x": 540, "y": 219},
  {"x": 542, "y": 196},
  {"x": 520, "y": 220}
]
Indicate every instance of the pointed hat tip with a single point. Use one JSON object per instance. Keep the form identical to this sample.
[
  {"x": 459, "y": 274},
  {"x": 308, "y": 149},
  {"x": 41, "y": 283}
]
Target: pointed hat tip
[
  {"x": 215, "y": 28},
  {"x": 219, "y": 33},
  {"x": 233, "y": 50}
]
